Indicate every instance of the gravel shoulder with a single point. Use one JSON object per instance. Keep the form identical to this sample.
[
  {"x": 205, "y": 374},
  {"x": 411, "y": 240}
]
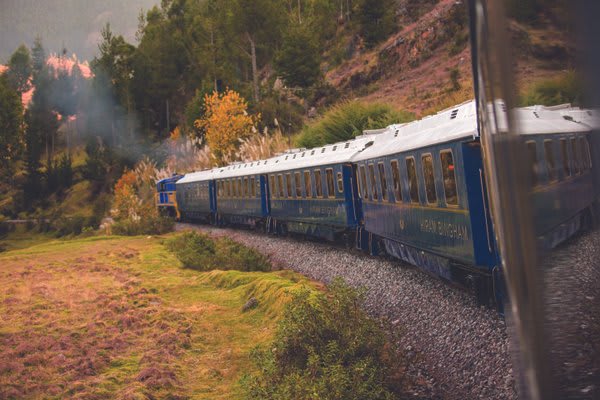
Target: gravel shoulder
[{"x": 454, "y": 349}]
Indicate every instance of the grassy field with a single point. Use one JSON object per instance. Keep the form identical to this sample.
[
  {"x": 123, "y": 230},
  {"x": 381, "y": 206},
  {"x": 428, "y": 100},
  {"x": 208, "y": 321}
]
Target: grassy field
[{"x": 114, "y": 317}]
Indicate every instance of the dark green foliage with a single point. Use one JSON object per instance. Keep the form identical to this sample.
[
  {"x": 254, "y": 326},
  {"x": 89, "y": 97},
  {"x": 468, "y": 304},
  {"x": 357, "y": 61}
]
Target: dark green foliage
[
  {"x": 147, "y": 225},
  {"x": 200, "y": 252},
  {"x": 566, "y": 88},
  {"x": 376, "y": 20},
  {"x": 523, "y": 10},
  {"x": 289, "y": 115},
  {"x": 325, "y": 348},
  {"x": 11, "y": 122},
  {"x": 346, "y": 121},
  {"x": 70, "y": 225},
  {"x": 454, "y": 79},
  {"x": 298, "y": 61},
  {"x": 59, "y": 174},
  {"x": 20, "y": 69}
]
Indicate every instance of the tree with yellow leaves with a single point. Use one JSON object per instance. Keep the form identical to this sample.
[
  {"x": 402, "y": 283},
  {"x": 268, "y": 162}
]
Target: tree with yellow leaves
[{"x": 225, "y": 123}]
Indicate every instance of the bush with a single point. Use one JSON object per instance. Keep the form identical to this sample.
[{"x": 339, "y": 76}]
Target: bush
[
  {"x": 348, "y": 120},
  {"x": 69, "y": 225},
  {"x": 150, "y": 225},
  {"x": 325, "y": 348},
  {"x": 198, "y": 251},
  {"x": 566, "y": 88}
]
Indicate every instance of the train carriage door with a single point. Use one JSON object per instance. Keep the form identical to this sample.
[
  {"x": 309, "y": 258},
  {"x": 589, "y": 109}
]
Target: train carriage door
[
  {"x": 351, "y": 198},
  {"x": 265, "y": 194}
]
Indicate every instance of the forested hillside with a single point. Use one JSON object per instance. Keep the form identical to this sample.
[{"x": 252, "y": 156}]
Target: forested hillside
[{"x": 248, "y": 78}]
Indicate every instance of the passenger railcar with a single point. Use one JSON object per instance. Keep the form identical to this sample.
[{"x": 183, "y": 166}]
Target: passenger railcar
[{"x": 415, "y": 191}]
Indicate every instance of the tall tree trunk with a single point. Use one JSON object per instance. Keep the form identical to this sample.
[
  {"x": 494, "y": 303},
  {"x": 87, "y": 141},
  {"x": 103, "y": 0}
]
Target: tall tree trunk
[{"x": 256, "y": 95}]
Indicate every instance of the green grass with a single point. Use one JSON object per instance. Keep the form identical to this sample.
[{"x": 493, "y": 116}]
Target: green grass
[
  {"x": 348, "y": 120},
  {"x": 126, "y": 309},
  {"x": 564, "y": 88}
]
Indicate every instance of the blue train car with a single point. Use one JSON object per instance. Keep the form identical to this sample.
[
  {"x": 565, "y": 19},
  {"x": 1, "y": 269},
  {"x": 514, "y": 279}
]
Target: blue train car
[
  {"x": 313, "y": 192},
  {"x": 423, "y": 199},
  {"x": 242, "y": 194},
  {"x": 196, "y": 196},
  {"x": 165, "y": 198},
  {"x": 560, "y": 175}
]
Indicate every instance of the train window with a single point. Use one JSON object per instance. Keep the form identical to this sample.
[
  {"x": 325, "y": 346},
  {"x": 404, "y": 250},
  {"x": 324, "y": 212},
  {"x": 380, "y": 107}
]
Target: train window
[
  {"x": 429, "y": 176},
  {"x": 288, "y": 185},
  {"x": 363, "y": 190},
  {"x": 565, "y": 157},
  {"x": 533, "y": 160},
  {"x": 228, "y": 188},
  {"x": 318, "y": 183},
  {"x": 575, "y": 156},
  {"x": 272, "y": 185},
  {"x": 298, "y": 182},
  {"x": 374, "y": 193},
  {"x": 307, "y": 184},
  {"x": 396, "y": 180},
  {"x": 280, "y": 186},
  {"x": 239, "y": 188},
  {"x": 246, "y": 191},
  {"x": 253, "y": 186},
  {"x": 383, "y": 181},
  {"x": 449, "y": 178},
  {"x": 550, "y": 160},
  {"x": 413, "y": 183},
  {"x": 330, "y": 183},
  {"x": 340, "y": 182},
  {"x": 585, "y": 152}
]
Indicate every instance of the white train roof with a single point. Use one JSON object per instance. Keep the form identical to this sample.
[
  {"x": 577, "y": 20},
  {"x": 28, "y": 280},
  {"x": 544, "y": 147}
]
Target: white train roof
[
  {"x": 199, "y": 176},
  {"x": 459, "y": 122}
]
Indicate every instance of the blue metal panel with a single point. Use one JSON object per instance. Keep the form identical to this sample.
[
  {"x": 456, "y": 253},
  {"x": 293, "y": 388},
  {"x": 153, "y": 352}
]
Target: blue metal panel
[
  {"x": 264, "y": 196},
  {"x": 350, "y": 194},
  {"x": 481, "y": 223}
]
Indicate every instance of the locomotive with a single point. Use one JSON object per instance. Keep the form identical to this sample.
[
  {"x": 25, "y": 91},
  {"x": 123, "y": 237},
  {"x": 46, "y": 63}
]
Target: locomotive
[{"x": 414, "y": 191}]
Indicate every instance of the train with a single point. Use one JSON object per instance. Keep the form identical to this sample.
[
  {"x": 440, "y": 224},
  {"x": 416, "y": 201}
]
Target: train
[{"x": 414, "y": 191}]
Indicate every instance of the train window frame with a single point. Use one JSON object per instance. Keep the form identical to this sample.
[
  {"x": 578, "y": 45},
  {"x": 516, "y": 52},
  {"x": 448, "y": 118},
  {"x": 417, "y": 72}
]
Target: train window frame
[
  {"x": 253, "y": 186},
  {"x": 373, "y": 183},
  {"x": 288, "y": 185},
  {"x": 584, "y": 148},
  {"x": 240, "y": 189},
  {"x": 566, "y": 160},
  {"x": 363, "y": 188},
  {"x": 576, "y": 159},
  {"x": 280, "y": 186},
  {"x": 245, "y": 187},
  {"x": 382, "y": 180},
  {"x": 534, "y": 171},
  {"x": 330, "y": 181},
  {"x": 429, "y": 184},
  {"x": 307, "y": 184},
  {"x": 454, "y": 180},
  {"x": 298, "y": 184},
  {"x": 272, "y": 188},
  {"x": 396, "y": 180},
  {"x": 550, "y": 162},
  {"x": 318, "y": 183},
  {"x": 414, "y": 196},
  {"x": 340, "y": 182}
]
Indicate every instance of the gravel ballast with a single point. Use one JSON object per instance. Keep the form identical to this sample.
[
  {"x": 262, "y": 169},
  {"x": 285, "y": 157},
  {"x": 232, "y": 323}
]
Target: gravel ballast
[{"x": 454, "y": 349}]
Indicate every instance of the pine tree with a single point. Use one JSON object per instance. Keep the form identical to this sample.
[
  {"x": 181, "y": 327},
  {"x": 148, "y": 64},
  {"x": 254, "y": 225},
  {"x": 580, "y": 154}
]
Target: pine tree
[
  {"x": 298, "y": 60},
  {"x": 376, "y": 19},
  {"x": 11, "y": 123},
  {"x": 20, "y": 70}
]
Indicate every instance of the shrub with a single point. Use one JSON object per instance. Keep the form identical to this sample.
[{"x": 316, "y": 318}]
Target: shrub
[
  {"x": 198, "y": 251},
  {"x": 69, "y": 225},
  {"x": 348, "y": 120},
  {"x": 150, "y": 225},
  {"x": 566, "y": 88},
  {"x": 325, "y": 348}
]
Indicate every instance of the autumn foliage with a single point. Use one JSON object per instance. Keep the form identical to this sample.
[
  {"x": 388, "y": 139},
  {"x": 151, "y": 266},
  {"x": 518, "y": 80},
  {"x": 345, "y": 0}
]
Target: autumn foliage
[
  {"x": 133, "y": 210},
  {"x": 225, "y": 123}
]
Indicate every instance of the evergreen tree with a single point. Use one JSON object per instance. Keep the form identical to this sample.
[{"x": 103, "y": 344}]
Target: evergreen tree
[
  {"x": 11, "y": 123},
  {"x": 376, "y": 20},
  {"x": 20, "y": 69},
  {"x": 298, "y": 60}
]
